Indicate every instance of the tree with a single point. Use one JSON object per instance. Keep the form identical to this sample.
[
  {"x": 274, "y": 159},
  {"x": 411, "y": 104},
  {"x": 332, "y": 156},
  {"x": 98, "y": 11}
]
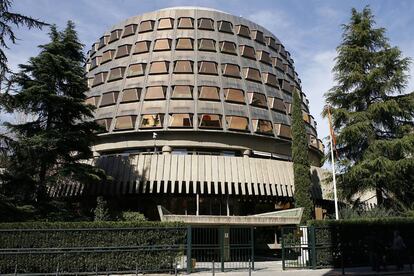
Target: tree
[
  {"x": 50, "y": 148},
  {"x": 300, "y": 158},
  {"x": 7, "y": 21},
  {"x": 372, "y": 116},
  {"x": 101, "y": 212}
]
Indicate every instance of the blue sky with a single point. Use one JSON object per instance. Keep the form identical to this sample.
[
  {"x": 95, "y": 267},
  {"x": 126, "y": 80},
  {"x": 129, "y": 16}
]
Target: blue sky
[{"x": 309, "y": 29}]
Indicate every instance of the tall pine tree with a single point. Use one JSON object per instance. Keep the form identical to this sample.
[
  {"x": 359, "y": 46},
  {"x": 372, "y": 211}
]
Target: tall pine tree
[
  {"x": 51, "y": 147},
  {"x": 372, "y": 115},
  {"x": 300, "y": 158}
]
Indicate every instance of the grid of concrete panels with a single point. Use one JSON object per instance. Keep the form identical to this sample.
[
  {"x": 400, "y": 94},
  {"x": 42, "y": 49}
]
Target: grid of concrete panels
[{"x": 193, "y": 69}]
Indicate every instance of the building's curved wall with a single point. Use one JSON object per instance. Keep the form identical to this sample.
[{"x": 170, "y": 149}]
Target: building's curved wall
[{"x": 176, "y": 71}]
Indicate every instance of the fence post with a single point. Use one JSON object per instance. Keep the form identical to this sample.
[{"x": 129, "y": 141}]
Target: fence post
[
  {"x": 282, "y": 241},
  {"x": 214, "y": 271},
  {"x": 312, "y": 241},
  {"x": 221, "y": 235},
  {"x": 252, "y": 246},
  {"x": 189, "y": 240}
]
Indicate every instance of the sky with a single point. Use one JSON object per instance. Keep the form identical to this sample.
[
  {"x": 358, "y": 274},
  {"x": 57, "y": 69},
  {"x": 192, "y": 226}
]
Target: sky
[{"x": 309, "y": 29}]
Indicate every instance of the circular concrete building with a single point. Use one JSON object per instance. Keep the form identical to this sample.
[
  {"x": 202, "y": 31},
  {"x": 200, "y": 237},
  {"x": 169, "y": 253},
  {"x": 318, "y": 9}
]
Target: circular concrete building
[{"x": 196, "y": 106}]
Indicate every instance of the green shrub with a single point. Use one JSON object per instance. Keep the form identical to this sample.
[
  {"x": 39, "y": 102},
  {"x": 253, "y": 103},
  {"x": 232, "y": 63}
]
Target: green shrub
[
  {"x": 133, "y": 216},
  {"x": 86, "y": 246}
]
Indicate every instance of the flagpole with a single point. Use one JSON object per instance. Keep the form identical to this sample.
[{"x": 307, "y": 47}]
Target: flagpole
[{"x": 333, "y": 165}]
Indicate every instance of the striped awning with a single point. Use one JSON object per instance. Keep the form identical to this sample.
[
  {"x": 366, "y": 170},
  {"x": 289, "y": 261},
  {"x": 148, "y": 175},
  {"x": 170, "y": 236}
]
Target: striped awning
[{"x": 190, "y": 174}]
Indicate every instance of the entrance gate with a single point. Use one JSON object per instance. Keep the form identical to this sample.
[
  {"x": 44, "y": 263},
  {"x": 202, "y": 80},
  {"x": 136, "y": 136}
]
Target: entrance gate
[{"x": 221, "y": 248}]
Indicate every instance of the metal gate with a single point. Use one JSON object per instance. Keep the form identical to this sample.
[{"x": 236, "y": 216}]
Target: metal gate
[
  {"x": 306, "y": 247},
  {"x": 220, "y": 248}
]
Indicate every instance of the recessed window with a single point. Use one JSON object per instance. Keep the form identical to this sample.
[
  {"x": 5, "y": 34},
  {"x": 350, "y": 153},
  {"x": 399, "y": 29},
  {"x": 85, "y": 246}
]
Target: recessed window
[
  {"x": 305, "y": 117},
  {"x": 92, "y": 100},
  {"x": 152, "y": 121},
  {"x": 237, "y": 123},
  {"x": 109, "y": 98},
  {"x": 209, "y": 93},
  {"x": 159, "y": 67},
  {"x": 155, "y": 93},
  {"x": 313, "y": 141},
  {"x": 95, "y": 62},
  {"x": 234, "y": 95},
  {"x": 116, "y": 73},
  {"x": 252, "y": 74},
  {"x": 103, "y": 41},
  {"x": 231, "y": 70},
  {"x": 184, "y": 43},
  {"x": 185, "y": 23},
  {"x": 131, "y": 95},
  {"x": 146, "y": 26},
  {"x": 163, "y": 44},
  {"x": 183, "y": 67},
  {"x": 225, "y": 26},
  {"x": 278, "y": 63},
  {"x": 257, "y": 99},
  {"x": 286, "y": 86},
  {"x": 207, "y": 67},
  {"x": 243, "y": 30},
  {"x": 136, "y": 70},
  {"x": 182, "y": 92},
  {"x": 130, "y": 30},
  {"x": 212, "y": 121},
  {"x": 288, "y": 108},
  {"x": 107, "y": 56},
  {"x": 184, "y": 120},
  {"x": 282, "y": 51},
  {"x": 125, "y": 122},
  {"x": 264, "y": 57},
  {"x": 270, "y": 79},
  {"x": 206, "y": 44},
  {"x": 271, "y": 42},
  {"x": 99, "y": 78},
  {"x": 123, "y": 51},
  {"x": 90, "y": 82},
  {"x": 104, "y": 123},
  {"x": 262, "y": 126},
  {"x": 142, "y": 47},
  {"x": 258, "y": 36},
  {"x": 206, "y": 24},
  {"x": 165, "y": 24},
  {"x": 228, "y": 47},
  {"x": 277, "y": 104},
  {"x": 283, "y": 130},
  {"x": 247, "y": 51},
  {"x": 115, "y": 35}
]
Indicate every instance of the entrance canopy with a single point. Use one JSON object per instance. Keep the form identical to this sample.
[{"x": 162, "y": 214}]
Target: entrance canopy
[{"x": 284, "y": 217}]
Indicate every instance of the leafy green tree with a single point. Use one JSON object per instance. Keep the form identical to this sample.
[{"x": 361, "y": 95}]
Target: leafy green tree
[
  {"x": 8, "y": 20},
  {"x": 300, "y": 158},
  {"x": 50, "y": 148},
  {"x": 101, "y": 212},
  {"x": 372, "y": 115}
]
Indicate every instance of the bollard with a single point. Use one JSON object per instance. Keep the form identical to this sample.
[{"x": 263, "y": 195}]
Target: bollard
[
  {"x": 250, "y": 268},
  {"x": 175, "y": 269},
  {"x": 214, "y": 272}
]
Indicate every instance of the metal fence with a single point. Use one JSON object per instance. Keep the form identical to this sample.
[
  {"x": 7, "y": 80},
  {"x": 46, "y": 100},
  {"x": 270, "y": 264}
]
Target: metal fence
[
  {"x": 306, "y": 247},
  {"x": 122, "y": 250}
]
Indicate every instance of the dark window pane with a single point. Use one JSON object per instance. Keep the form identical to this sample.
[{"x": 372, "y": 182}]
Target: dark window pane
[
  {"x": 142, "y": 47},
  {"x": 184, "y": 44},
  {"x": 258, "y": 36},
  {"x": 181, "y": 120},
  {"x": 152, "y": 121},
  {"x": 234, "y": 95},
  {"x": 146, "y": 26},
  {"x": 99, "y": 78},
  {"x": 130, "y": 30},
  {"x": 105, "y": 123},
  {"x": 264, "y": 57},
  {"x": 137, "y": 69},
  {"x": 95, "y": 62},
  {"x": 163, "y": 44},
  {"x": 207, "y": 67},
  {"x": 159, "y": 67},
  {"x": 116, "y": 73},
  {"x": 123, "y": 50},
  {"x": 109, "y": 98},
  {"x": 277, "y": 104},
  {"x": 247, "y": 51},
  {"x": 231, "y": 70},
  {"x": 93, "y": 100},
  {"x": 210, "y": 121},
  {"x": 155, "y": 93},
  {"x": 107, "y": 56},
  {"x": 209, "y": 93},
  {"x": 125, "y": 122},
  {"x": 243, "y": 31},
  {"x": 225, "y": 26},
  {"x": 103, "y": 41},
  {"x": 270, "y": 80},
  {"x": 283, "y": 130},
  {"x": 257, "y": 99},
  {"x": 182, "y": 92},
  {"x": 185, "y": 23},
  {"x": 165, "y": 23},
  {"x": 131, "y": 95},
  {"x": 183, "y": 66},
  {"x": 237, "y": 123},
  {"x": 206, "y": 44},
  {"x": 262, "y": 127},
  {"x": 228, "y": 47},
  {"x": 205, "y": 24},
  {"x": 115, "y": 35},
  {"x": 271, "y": 42},
  {"x": 252, "y": 74}
]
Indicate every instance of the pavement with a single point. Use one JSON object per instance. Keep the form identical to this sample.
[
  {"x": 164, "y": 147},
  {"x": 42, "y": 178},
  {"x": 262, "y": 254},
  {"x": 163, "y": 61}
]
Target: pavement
[{"x": 275, "y": 268}]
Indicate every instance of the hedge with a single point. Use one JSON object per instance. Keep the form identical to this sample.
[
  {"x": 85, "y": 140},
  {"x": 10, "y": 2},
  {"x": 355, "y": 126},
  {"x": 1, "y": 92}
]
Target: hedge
[
  {"x": 356, "y": 242},
  {"x": 89, "y": 246}
]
